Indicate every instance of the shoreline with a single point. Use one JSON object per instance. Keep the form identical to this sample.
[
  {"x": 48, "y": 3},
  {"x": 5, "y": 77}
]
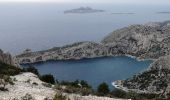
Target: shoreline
[{"x": 89, "y": 58}]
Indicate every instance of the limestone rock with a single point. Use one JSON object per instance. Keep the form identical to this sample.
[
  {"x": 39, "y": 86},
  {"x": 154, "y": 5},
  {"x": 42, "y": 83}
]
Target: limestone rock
[
  {"x": 6, "y": 58},
  {"x": 148, "y": 41}
]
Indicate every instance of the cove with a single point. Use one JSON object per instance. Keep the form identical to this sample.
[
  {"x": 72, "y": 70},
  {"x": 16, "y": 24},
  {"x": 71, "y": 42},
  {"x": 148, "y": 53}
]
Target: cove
[{"x": 94, "y": 71}]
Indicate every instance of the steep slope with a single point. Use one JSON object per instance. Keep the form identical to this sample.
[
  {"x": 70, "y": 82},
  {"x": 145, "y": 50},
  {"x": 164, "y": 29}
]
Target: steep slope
[
  {"x": 78, "y": 50},
  {"x": 149, "y": 41},
  {"x": 7, "y": 66},
  {"x": 6, "y": 69},
  {"x": 144, "y": 41},
  {"x": 6, "y": 58},
  {"x": 155, "y": 80}
]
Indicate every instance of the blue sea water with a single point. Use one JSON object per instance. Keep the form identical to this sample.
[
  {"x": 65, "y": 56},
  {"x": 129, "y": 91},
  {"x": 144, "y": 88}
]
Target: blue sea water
[{"x": 94, "y": 71}]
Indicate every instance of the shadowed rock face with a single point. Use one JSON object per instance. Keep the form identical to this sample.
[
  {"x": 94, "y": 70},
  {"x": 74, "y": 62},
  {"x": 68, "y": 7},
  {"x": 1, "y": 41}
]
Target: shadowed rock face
[{"x": 6, "y": 58}]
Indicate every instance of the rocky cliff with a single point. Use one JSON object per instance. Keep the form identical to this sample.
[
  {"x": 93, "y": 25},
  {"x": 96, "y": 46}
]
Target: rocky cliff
[
  {"x": 78, "y": 50},
  {"x": 148, "y": 41},
  {"x": 155, "y": 80},
  {"x": 144, "y": 41},
  {"x": 6, "y": 58}
]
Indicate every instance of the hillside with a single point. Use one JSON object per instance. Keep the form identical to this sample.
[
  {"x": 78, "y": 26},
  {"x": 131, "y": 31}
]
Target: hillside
[{"x": 148, "y": 41}]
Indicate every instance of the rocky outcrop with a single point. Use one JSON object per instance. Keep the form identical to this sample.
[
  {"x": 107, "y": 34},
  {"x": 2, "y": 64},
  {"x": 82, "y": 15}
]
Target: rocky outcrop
[
  {"x": 79, "y": 97},
  {"x": 6, "y": 58},
  {"x": 155, "y": 80},
  {"x": 148, "y": 41},
  {"x": 28, "y": 86},
  {"x": 74, "y": 51},
  {"x": 144, "y": 41}
]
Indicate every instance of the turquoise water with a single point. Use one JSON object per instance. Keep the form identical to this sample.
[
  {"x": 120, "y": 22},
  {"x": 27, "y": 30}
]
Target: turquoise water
[{"x": 94, "y": 71}]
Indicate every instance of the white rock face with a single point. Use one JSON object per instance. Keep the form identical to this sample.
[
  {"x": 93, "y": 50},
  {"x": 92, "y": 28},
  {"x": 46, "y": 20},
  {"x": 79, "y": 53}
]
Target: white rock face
[
  {"x": 24, "y": 85},
  {"x": 6, "y": 58},
  {"x": 78, "y": 97}
]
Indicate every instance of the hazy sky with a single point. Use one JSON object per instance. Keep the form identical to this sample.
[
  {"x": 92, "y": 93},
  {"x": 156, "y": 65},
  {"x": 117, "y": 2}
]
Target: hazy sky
[{"x": 97, "y": 1}]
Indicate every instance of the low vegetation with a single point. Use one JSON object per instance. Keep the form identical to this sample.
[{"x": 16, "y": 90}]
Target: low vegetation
[
  {"x": 78, "y": 87},
  {"x": 6, "y": 69},
  {"x": 59, "y": 96},
  {"x": 103, "y": 89},
  {"x": 5, "y": 72},
  {"x": 133, "y": 95},
  {"x": 31, "y": 69},
  {"x": 48, "y": 78}
]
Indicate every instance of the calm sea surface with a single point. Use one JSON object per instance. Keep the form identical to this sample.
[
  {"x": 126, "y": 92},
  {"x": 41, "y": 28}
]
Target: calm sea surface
[{"x": 94, "y": 71}]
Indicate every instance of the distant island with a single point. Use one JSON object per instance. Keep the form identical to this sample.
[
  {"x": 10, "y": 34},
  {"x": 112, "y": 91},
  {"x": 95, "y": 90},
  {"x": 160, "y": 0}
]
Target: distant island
[
  {"x": 128, "y": 13},
  {"x": 163, "y": 12},
  {"x": 83, "y": 10}
]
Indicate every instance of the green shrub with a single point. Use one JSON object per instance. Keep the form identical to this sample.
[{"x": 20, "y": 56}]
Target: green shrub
[
  {"x": 84, "y": 84},
  {"x": 9, "y": 69},
  {"x": 76, "y": 84},
  {"x": 31, "y": 69},
  {"x": 103, "y": 89},
  {"x": 78, "y": 87},
  {"x": 48, "y": 78}
]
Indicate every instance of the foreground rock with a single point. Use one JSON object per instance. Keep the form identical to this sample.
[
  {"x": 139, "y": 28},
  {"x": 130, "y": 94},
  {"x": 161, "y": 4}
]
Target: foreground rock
[
  {"x": 28, "y": 85},
  {"x": 79, "y": 97},
  {"x": 25, "y": 85}
]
